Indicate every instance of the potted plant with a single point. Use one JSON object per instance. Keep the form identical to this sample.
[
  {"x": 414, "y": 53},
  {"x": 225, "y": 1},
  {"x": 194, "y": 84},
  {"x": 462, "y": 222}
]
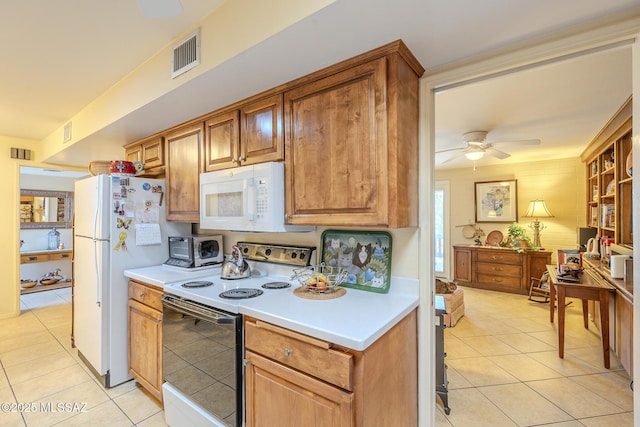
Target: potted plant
[{"x": 518, "y": 240}]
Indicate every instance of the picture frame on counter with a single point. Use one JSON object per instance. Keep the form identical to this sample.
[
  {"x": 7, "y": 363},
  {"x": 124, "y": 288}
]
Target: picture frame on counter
[{"x": 496, "y": 201}]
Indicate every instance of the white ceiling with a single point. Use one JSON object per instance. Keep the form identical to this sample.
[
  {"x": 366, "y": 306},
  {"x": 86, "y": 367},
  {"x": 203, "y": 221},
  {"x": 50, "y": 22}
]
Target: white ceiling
[{"x": 65, "y": 54}]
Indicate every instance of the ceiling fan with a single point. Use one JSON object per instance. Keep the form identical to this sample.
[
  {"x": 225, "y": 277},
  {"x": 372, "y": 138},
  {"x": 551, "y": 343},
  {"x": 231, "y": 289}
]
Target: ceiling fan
[
  {"x": 153, "y": 9},
  {"x": 475, "y": 146}
]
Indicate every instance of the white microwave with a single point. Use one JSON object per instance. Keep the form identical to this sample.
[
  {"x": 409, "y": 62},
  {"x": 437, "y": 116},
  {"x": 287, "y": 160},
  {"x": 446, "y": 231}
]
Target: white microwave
[{"x": 246, "y": 198}]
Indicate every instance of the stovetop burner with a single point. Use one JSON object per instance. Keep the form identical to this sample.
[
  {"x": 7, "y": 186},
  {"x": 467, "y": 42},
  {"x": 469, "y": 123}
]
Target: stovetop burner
[
  {"x": 240, "y": 293},
  {"x": 197, "y": 284},
  {"x": 276, "y": 285}
]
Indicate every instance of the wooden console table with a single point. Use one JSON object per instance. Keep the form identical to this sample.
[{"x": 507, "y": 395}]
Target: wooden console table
[
  {"x": 43, "y": 256},
  {"x": 589, "y": 288},
  {"x": 498, "y": 269}
]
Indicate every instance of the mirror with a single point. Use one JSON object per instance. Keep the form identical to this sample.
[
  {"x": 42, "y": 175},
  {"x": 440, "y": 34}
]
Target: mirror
[{"x": 46, "y": 209}]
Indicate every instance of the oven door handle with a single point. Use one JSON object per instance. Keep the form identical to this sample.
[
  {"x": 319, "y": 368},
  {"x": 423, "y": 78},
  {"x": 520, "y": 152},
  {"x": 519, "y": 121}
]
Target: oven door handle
[{"x": 209, "y": 315}]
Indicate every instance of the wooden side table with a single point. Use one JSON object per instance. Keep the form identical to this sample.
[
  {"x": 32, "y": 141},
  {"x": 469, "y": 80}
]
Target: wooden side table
[{"x": 591, "y": 288}]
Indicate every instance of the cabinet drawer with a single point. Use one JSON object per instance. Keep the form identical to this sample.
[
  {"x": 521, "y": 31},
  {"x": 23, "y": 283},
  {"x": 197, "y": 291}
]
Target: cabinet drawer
[
  {"x": 309, "y": 355},
  {"x": 26, "y": 259},
  {"x": 60, "y": 256},
  {"x": 145, "y": 294},
  {"x": 500, "y": 256},
  {"x": 502, "y": 281},
  {"x": 499, "y": 269}
]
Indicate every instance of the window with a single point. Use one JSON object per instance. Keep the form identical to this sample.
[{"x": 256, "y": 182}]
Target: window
[{"x": 441, "y": 221}]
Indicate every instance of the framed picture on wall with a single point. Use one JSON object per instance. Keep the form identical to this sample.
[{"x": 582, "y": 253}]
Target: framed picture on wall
[{"x": 496, "y": 201}]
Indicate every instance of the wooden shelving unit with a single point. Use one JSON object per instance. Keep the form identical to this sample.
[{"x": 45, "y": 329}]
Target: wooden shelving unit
[
  {"x": 43, "y": 256},
  {"x": 609, "y": 184}
]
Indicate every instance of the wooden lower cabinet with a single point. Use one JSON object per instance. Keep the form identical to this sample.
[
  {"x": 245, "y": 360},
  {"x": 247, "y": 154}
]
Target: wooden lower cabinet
[
  {"x": 498, "y": 269},
  {"x": 281, "y": 396},
  {"x": 145, "y": 336},
  {"x": 624, "y": 332},
  {"x": 295, "y": 380}
]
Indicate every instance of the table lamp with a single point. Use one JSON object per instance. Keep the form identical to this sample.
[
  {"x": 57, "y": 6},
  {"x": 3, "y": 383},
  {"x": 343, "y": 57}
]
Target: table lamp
[{"x": 537, "y": 209}]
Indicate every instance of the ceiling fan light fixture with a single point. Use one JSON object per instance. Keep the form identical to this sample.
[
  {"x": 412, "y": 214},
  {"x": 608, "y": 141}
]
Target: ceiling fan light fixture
[{"x": 474, "y": 155}]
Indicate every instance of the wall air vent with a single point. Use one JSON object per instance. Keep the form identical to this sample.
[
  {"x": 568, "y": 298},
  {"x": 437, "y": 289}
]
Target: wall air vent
[
  {"x": 67, "y": 133},
  {"x": 186, "y": 54}
]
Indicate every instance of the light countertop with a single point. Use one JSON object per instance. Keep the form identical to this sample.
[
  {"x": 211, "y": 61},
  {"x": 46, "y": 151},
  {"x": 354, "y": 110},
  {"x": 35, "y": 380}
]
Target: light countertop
[
  {"x": 355, "y": 320},
  {"x": 161, "y": 275},
  {"x": 44, "y": 251}
]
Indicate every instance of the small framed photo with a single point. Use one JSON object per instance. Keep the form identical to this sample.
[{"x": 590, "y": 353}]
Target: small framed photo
[{"x": 496, "y": 201}]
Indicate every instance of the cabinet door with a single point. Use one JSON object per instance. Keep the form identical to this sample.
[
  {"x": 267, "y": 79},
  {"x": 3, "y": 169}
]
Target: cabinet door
[
  {"x": 261, "y": 138},
  {"x": 336, "y": 155},
  {"x": 133, "y": 153},
  {"x": 183, "y": 173},
  {"x": 624, "y": 332},
  {"x": 280, "y": 396},
  {"x": 152, "y": 152},
  {"x": 462, "y": 265},
  {"x": 145, "y": 346},
  {"x": 221, "y": 147}
]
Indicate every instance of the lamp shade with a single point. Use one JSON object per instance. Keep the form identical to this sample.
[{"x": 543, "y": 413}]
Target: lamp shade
[{"x": 537, "y": 209}]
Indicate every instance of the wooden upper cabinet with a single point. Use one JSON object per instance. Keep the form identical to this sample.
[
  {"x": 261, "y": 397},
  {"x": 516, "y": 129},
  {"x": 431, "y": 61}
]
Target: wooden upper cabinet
[
  {"x": 222, "y": 139},
  {"x": 351, "y": 145},
  {"x": 133, "y": 153},
  {"x": 246, "y": 135},
  {"x": 183, "y": 147},
  {"x": 149, "y": 151},
  {"x": 153, "y": 152},
  {"x": 261, "y": 135}
]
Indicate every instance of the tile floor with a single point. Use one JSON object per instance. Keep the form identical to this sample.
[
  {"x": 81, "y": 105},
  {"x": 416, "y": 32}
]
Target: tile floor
[
  {"x": 40, "y": 371},
  {"x": 504, "y": 369}
]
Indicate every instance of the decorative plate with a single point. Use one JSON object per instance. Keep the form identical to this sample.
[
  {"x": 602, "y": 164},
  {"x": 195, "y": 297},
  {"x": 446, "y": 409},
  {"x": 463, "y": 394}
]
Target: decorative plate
[
  {"x": 629, "y": 164},
  {"x": 366, "y": 255},
  {"x": 611, "y": 187},
  {"x": 494, "y": 238}
]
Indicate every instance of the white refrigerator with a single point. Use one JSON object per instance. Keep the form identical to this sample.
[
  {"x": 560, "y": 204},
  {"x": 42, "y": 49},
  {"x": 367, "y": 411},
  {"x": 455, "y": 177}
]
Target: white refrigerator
[{"x": 119, "y": 224}]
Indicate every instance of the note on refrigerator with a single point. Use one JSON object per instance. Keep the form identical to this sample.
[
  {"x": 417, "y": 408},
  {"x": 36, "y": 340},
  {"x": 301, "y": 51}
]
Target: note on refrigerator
[{"x": 148, "y": 234}]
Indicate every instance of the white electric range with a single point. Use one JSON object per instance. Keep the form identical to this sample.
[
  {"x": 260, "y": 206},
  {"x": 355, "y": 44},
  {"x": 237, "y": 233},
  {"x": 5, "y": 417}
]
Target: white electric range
[
  {"x": 272, "y": 268},
  {"x": 203, "y": 331}
]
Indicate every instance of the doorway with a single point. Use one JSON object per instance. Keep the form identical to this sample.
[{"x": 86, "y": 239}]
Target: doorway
[
  {"x": 46, "y": 233},
  {"x": 454, "y": 77}
]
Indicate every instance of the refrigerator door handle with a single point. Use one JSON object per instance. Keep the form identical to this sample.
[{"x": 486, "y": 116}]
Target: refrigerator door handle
[
  {"x": 97, "y": 270},
  {"x": 98, "y": 207}
]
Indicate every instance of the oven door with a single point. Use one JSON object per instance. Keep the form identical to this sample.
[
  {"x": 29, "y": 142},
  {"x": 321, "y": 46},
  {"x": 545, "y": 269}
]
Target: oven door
[{"x": 202, "y": 360}]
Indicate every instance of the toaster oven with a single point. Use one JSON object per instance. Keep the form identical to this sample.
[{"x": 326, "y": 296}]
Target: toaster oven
[{"x": 195, "y": 251}]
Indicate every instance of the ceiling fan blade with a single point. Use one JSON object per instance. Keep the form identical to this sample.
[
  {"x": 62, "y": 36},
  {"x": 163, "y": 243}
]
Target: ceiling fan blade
[
  {"x": 516, "y": 142},
  {"x": 451, "y": 149},
  {"x": 153, "y": 9},
  {"x": 496, "y": 153},
  {"x": 455, "y": 156}
]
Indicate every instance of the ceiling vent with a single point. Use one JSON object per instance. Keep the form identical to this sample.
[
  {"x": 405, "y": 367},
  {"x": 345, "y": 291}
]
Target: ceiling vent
[{"x": 186, "y": 54}]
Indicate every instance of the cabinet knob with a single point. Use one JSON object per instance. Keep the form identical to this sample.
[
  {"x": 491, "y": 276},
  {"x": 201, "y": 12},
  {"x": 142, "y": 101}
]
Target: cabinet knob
[
  {"x": 287, "y": 352},
  {"x": 241, "y": 159},
  {"x": 142, "y": 295}
]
